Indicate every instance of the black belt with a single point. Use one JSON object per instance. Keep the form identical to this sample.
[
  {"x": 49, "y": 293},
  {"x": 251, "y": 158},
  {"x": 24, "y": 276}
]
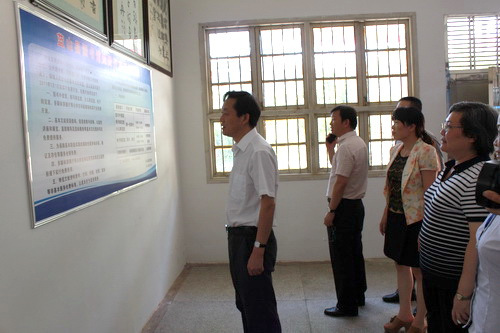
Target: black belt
[
  {"x": 343, "y": 199},
  {"x": 243, "y": 230}
]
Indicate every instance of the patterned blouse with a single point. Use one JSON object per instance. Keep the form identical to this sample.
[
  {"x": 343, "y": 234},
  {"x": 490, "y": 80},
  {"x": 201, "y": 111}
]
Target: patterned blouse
[
  {"x": 394, "y": 176},
  {"x": 422, "y": 157}
]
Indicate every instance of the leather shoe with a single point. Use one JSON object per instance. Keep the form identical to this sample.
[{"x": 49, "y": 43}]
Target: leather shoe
[
  {"x": 336, "y": 312},
  {"x": 394, "y": 297},
  {"x": 361, "y": 301},
  {"x": 391, "y": 298}
]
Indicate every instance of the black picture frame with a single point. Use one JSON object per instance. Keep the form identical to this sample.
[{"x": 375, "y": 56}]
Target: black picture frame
[
  {"x": 88, "y": 15},
  {"x": 159, "y": 38},
  {"x": 127, "y": 27}
]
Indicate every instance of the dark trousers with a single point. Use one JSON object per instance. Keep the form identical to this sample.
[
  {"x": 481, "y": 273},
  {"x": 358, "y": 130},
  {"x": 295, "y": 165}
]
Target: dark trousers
[
  {"x": 255, "y": 296},
  {"x": 346, "y": 254},
  {"x": 439, "y": 294}
]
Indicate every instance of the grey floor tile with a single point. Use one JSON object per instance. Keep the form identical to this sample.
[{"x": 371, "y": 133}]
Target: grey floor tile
[
  {"x": 380, "y": 277},
  {"x": 317, "y": 280},
  {"x": 207, "y": 283},
  {"x": 287, "y": 283},
  {"x": 294, "y": 316},
  {"x": 206, "y": 317},
  {"x": 204, "y": 302}
]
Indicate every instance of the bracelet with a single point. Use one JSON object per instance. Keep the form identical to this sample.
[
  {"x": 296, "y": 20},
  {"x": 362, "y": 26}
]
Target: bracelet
[
  {"x": 332, "y": 211},
  {"x": 461, "y": 297}
]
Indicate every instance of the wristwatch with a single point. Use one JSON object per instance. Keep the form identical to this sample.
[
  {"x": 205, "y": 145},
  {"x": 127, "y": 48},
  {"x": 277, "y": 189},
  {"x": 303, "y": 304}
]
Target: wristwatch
[
  {"x": 333, "y": 210},
  {"x": 259, "y": 244},
  {"x": 461, "y": 297}
]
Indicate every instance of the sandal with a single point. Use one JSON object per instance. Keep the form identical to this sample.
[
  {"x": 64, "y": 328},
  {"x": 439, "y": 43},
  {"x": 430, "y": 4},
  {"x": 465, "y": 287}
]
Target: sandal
[{"x": 395, "y": 324}]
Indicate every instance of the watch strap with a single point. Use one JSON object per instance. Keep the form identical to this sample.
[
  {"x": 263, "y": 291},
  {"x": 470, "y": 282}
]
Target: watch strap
[{"x": 259, "y": 244}]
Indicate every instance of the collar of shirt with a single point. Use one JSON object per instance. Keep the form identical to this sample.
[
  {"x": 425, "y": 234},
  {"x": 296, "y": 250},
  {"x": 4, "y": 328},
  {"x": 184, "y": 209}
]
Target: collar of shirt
[
  {"x": 464, "y": 165},
  {"x": 345, "y": 136},
  {"x": 245, "y": 141}
]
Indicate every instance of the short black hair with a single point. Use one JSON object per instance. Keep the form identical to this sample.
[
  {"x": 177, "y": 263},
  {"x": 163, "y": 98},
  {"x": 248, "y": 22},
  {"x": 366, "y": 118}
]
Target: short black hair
[
  {"x": 479, "y": 121},
  {"x": 347, "y": 112},
  {"x": 245, "y": 103},
  {"x": 414, "y": 101}
]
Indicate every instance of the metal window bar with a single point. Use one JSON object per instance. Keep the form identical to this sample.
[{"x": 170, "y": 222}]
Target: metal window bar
[
  {"x": 323, "y": 71},
  {"x": 295, "y": 75},
  {"x": 399, "y": 56},
  {"x": 466, "y": 47},
  {"x": 345, "y": 64}
]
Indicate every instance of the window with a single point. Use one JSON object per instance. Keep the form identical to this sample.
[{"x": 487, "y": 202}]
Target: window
[
  {"x": 298, "y": 72},
  {"x": 473, "y": 42}
]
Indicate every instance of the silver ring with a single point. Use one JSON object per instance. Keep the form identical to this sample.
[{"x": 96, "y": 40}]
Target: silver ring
[{"x": 459, "y": 322}]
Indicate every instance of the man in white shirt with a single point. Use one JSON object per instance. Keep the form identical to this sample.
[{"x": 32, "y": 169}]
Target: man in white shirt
[
  {"x": 345, "y": 215},
  {"x": 253, "y": 185}
]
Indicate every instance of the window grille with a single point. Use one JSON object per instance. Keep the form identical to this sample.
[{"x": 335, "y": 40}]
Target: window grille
[
  {"x": 298, "y": 72},
  {"x": 473, "y": 42}
]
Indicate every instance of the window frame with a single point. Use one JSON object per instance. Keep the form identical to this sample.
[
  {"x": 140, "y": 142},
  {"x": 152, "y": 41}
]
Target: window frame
[{"x": 311, "y": 110}]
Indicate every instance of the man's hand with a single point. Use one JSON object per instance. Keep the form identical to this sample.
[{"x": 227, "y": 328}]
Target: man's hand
[
  {"x": 328, "y": 220},
  {"x": 330, "y": 148},
  {"x": 255, "y": 265}
]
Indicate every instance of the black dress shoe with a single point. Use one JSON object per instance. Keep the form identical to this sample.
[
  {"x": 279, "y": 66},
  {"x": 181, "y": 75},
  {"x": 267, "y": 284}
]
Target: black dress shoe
[
  {"x": 361, "y": 301},
  {"x": 391, "y": 298},
  {"x": 394, "y": 297},
  {"x": 336, "y": 312}
]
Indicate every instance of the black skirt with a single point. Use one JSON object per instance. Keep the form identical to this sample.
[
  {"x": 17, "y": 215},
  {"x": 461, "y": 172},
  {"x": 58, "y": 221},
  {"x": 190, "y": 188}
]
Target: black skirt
[{"x": 401, "y": 240}]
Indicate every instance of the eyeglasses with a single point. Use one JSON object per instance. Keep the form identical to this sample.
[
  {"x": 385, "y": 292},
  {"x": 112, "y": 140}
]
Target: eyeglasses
[{"x": 446, "y": 126}]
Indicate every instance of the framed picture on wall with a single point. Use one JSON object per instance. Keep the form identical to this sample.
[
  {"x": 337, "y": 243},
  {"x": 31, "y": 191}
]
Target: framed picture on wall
[
  {"x": 88, "y": 15},
  {"x": 127, "y": 27},
  {"x": 159, "y": 45}
]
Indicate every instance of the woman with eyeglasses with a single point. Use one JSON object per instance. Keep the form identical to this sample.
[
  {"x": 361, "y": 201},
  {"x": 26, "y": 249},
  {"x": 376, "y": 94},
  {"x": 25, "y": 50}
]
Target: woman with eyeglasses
[
  {"x": 412, "y": 169},
  {"x": 448, "y": 254}
]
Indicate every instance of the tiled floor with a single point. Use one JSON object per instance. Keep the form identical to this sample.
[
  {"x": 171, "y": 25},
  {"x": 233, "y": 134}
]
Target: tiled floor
[{"x": 202, "y": 300}]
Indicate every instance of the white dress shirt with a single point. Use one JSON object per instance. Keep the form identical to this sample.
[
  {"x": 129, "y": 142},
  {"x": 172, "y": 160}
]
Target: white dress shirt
[{"x": 254, "y": 174}]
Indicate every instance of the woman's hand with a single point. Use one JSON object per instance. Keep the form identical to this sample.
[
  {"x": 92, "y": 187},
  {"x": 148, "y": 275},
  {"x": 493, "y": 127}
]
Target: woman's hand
[
  {"x": 383, "y": 222},
  {"x": 461, "y": 311}
]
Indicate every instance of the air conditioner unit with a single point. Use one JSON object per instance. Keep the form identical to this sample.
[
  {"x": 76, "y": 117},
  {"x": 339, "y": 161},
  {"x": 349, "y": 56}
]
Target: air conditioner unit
[{"x": 493, "y": 87}]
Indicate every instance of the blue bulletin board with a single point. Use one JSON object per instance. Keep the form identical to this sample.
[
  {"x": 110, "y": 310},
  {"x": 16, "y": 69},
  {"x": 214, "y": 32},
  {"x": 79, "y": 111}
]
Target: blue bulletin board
[{"x": 88, "y": 114}]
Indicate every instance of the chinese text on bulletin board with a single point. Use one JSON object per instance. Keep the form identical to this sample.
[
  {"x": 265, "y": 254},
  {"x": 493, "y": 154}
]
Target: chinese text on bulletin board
[{"x": 88, "y": 119}]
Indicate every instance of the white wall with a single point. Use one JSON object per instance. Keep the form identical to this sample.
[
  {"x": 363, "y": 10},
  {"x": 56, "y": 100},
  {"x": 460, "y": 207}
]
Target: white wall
[
  {"x": 301, "y": 204},
  {"x": 106, "y": 268},
  {"x": 103, "y": 269}
]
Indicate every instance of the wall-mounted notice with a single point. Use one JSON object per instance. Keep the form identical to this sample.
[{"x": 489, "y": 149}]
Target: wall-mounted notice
[{"x": 88, "y": 119}]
